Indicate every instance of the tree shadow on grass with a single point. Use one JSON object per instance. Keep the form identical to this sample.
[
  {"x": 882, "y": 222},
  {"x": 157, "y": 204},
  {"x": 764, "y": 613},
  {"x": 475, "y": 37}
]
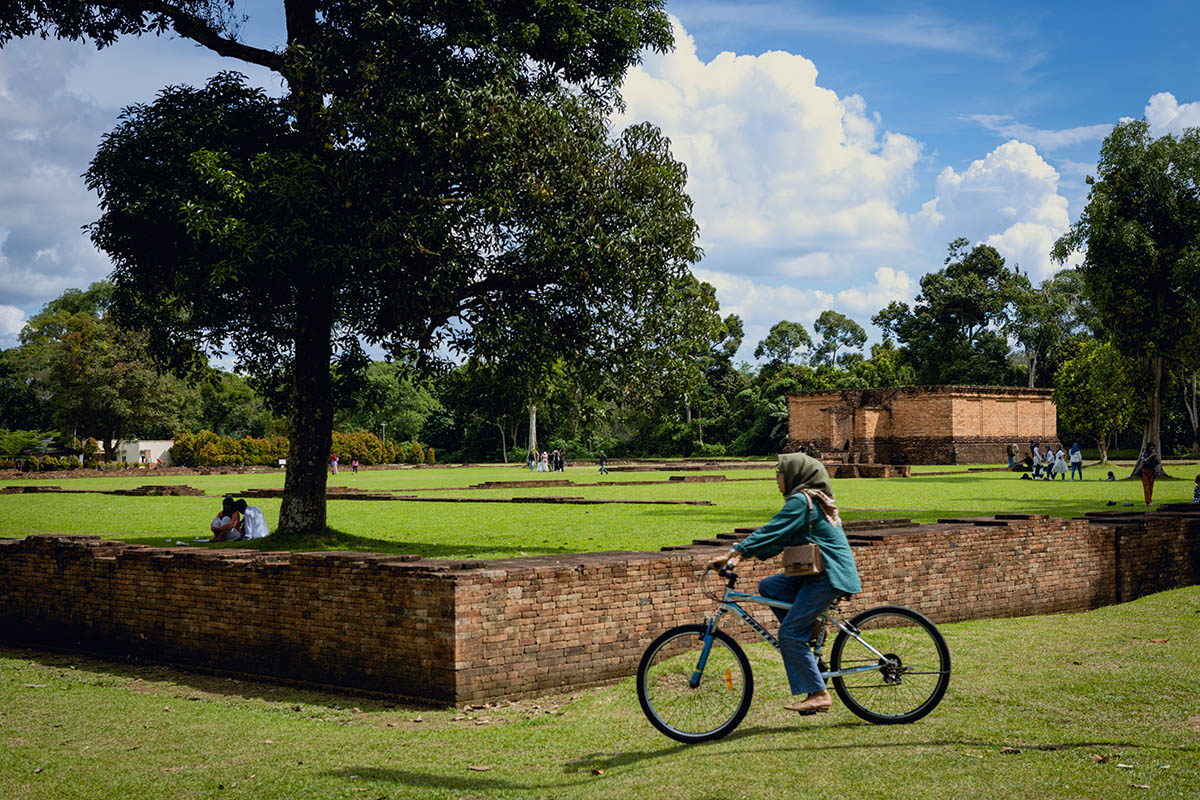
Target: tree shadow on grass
[
  {"x": 333, "y": 539},
  {"x": 752, "y": 734},
  {"x": 202, "y": 683},
  {"x": 473, "y": 782}
]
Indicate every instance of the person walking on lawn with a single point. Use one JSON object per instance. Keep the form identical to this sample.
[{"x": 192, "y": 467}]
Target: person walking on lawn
[{"x": 1150, "y": 465}]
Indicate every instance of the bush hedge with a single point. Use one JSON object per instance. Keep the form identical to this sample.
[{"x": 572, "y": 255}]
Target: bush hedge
[{"x": 207, "y": 449}]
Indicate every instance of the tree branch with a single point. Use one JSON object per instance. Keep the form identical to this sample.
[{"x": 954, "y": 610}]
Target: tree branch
[{"x": 199, "y": 31}]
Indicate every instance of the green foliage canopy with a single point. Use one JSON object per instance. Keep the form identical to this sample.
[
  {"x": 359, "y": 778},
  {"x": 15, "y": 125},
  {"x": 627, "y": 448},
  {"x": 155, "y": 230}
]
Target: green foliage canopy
[
  {"x": 836, "y": 331},
  {"x": 784, "y": 342},
  {"x": 1094, "y": 392},
  {"x": 435, "y": 174},
  {"x": 1140, "y": 238},
  {"x": 955, "y": 333}
]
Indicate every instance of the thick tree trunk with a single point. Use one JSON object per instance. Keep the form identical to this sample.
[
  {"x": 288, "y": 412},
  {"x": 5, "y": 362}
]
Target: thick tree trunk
[
  {"x": 1102, "y": 444},
  {"x": 1032, "y": 355},
  {"x": 1153, "y": 430},
  {"x": 311, "y": 424},
  {"x": 1193, "y": 413},
  {"x": 533, "y": 427}
]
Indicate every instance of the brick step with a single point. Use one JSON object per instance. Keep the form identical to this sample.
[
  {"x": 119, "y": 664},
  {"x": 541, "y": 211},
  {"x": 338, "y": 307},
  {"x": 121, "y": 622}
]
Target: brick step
[{"x": 867, "y": 524}]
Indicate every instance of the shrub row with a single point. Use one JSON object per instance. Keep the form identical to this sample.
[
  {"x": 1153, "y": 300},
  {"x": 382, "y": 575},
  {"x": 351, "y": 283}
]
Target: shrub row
[
  {"x": 207, "y": 449},
  {"x": 40, "y": 463}
]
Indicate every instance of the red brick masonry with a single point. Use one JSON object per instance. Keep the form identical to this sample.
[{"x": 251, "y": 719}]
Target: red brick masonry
[{"x": 458, "y": 632}]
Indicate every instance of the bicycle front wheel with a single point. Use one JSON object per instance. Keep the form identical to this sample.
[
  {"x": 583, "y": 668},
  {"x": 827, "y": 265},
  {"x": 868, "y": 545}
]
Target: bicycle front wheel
[
  {"x": 687, "y": 707},
  {"x": 911, "y": 678}
]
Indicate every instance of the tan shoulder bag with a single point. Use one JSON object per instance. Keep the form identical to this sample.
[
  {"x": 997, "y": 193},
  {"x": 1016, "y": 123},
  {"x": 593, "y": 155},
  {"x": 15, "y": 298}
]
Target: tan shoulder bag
[{"x": 803, "y": 560}]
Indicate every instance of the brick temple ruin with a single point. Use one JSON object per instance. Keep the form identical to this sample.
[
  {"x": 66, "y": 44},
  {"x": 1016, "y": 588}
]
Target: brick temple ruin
[{"x": 921, "y": 424}]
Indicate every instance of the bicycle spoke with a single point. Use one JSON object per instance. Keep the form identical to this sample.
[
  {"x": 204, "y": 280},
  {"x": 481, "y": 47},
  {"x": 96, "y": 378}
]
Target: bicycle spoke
[
  {"x": 907, "y": 682},
  {"x": 707, "y": 710}
]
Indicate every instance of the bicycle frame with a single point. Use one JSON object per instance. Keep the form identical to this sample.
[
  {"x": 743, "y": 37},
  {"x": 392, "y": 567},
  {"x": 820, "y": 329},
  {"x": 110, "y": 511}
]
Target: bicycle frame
[{"x": 730, "y": 603}]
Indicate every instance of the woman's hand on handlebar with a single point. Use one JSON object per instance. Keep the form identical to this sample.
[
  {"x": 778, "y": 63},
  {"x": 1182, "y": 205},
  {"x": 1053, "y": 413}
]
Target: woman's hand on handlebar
[{"x": 725, "y": 561}]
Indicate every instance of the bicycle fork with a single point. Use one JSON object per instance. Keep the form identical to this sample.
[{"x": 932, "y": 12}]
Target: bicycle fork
[{"x": 713, "y": 622}]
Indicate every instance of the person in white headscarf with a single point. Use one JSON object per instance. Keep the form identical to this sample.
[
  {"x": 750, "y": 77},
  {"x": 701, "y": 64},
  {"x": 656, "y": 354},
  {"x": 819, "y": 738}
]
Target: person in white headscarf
[{"x": 1060, "y": 464}]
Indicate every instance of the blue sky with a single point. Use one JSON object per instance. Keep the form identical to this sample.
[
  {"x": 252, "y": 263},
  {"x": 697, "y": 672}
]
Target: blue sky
[{"x": 833, "y": 148}]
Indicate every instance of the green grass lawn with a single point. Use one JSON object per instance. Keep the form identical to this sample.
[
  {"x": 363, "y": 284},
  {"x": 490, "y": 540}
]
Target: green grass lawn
[
  {"x": 1097, "y": 705},
  {"x": 493, "y": 530}
]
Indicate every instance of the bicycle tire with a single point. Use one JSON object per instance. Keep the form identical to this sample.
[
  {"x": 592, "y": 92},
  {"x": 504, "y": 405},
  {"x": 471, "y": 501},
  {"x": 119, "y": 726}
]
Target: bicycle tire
[
  {"x": 708, "y": 711},
  {"x": 893, "y": 696}
]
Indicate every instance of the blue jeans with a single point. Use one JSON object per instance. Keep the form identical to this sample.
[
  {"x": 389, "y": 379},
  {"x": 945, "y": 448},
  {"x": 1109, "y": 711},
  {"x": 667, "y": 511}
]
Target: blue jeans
[
  {"x": 1076, "y": 468},
  {"x": 809, "y": 596}
]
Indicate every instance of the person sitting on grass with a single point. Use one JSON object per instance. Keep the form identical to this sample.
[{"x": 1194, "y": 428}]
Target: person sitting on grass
[
  {"x": 1196, "y": 491},
  {"x": 254, "y": 524},
  {"x": 227, "y": 525},
  {"x": 1110, "y": 477}
]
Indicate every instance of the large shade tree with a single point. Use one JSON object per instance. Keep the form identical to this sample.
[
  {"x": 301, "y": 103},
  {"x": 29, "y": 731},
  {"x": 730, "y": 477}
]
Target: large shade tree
[
  {"x": 1046, "y": 322},
  {"x": 1140, "y": 238},
  {"x": 785, "y": 342},
  {"x": 1093, "y": 390},
  {"x": 836, "y": 331},
  {"x": 435, "y": 176},
  {"x": 955, "y": 330}
]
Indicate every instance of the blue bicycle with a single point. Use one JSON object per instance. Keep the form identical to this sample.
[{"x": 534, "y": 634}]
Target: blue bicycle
[{"x": 889, "y": 665}]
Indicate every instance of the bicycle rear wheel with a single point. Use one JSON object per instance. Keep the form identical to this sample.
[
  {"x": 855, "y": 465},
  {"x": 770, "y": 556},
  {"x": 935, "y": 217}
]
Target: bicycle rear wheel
[
  {"x": 912, "y": 678},
  {"x": 710, "y": 709}
]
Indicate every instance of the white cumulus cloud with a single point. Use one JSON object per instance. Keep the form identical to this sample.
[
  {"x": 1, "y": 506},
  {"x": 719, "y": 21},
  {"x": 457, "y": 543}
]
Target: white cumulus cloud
[
  {"x": 48, "y": 136},
  {"x": 801, "y": 194},
  {"x": 788, "y": 178},
  {"x": 1008, "y": 199},
  {"x": 1166, "y": 115},
  {"x": 12, "y": 319},
  {"x": 797, "y": 191}
]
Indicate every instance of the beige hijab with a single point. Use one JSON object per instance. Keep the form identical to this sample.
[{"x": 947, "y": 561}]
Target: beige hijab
[{"x": 805, "y": 475}]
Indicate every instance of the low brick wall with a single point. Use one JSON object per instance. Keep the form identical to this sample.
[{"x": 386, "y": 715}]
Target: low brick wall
[{"x": 455, "y": 632}]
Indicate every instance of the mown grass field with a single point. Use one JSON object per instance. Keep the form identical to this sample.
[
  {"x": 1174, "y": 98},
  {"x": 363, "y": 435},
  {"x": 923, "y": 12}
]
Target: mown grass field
[
  {"x": 493, "y": 530},
  {"x": 1097, "y": 705}
]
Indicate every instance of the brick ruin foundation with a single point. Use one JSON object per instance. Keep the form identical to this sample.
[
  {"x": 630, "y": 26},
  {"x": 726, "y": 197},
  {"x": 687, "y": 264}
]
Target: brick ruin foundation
[
  {"x": 921, "y": 424},
  {"x": 464, "y": 632}
]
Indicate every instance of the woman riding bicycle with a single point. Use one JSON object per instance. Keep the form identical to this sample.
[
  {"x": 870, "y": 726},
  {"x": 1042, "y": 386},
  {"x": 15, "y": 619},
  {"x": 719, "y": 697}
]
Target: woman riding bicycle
[{"x": 808, "y": 515}]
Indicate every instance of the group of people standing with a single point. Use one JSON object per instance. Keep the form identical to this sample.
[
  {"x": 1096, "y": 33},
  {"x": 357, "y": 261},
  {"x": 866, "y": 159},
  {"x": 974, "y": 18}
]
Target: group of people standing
[
  {"x": 553, "y": 461},
  {"x": 1047, "y": 464}
]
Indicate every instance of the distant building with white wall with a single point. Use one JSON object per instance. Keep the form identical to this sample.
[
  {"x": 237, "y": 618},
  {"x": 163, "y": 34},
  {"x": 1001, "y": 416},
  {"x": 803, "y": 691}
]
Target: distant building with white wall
[{"x": 145, "y": 451}]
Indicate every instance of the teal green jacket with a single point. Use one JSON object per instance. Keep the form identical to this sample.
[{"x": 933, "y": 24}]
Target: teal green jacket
[{"x": 791, "y": 527}]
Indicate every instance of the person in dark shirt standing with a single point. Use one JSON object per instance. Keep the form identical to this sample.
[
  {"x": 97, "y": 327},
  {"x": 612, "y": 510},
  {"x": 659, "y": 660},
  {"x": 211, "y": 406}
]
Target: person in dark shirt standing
[{"x": 1150, "y": 465}]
